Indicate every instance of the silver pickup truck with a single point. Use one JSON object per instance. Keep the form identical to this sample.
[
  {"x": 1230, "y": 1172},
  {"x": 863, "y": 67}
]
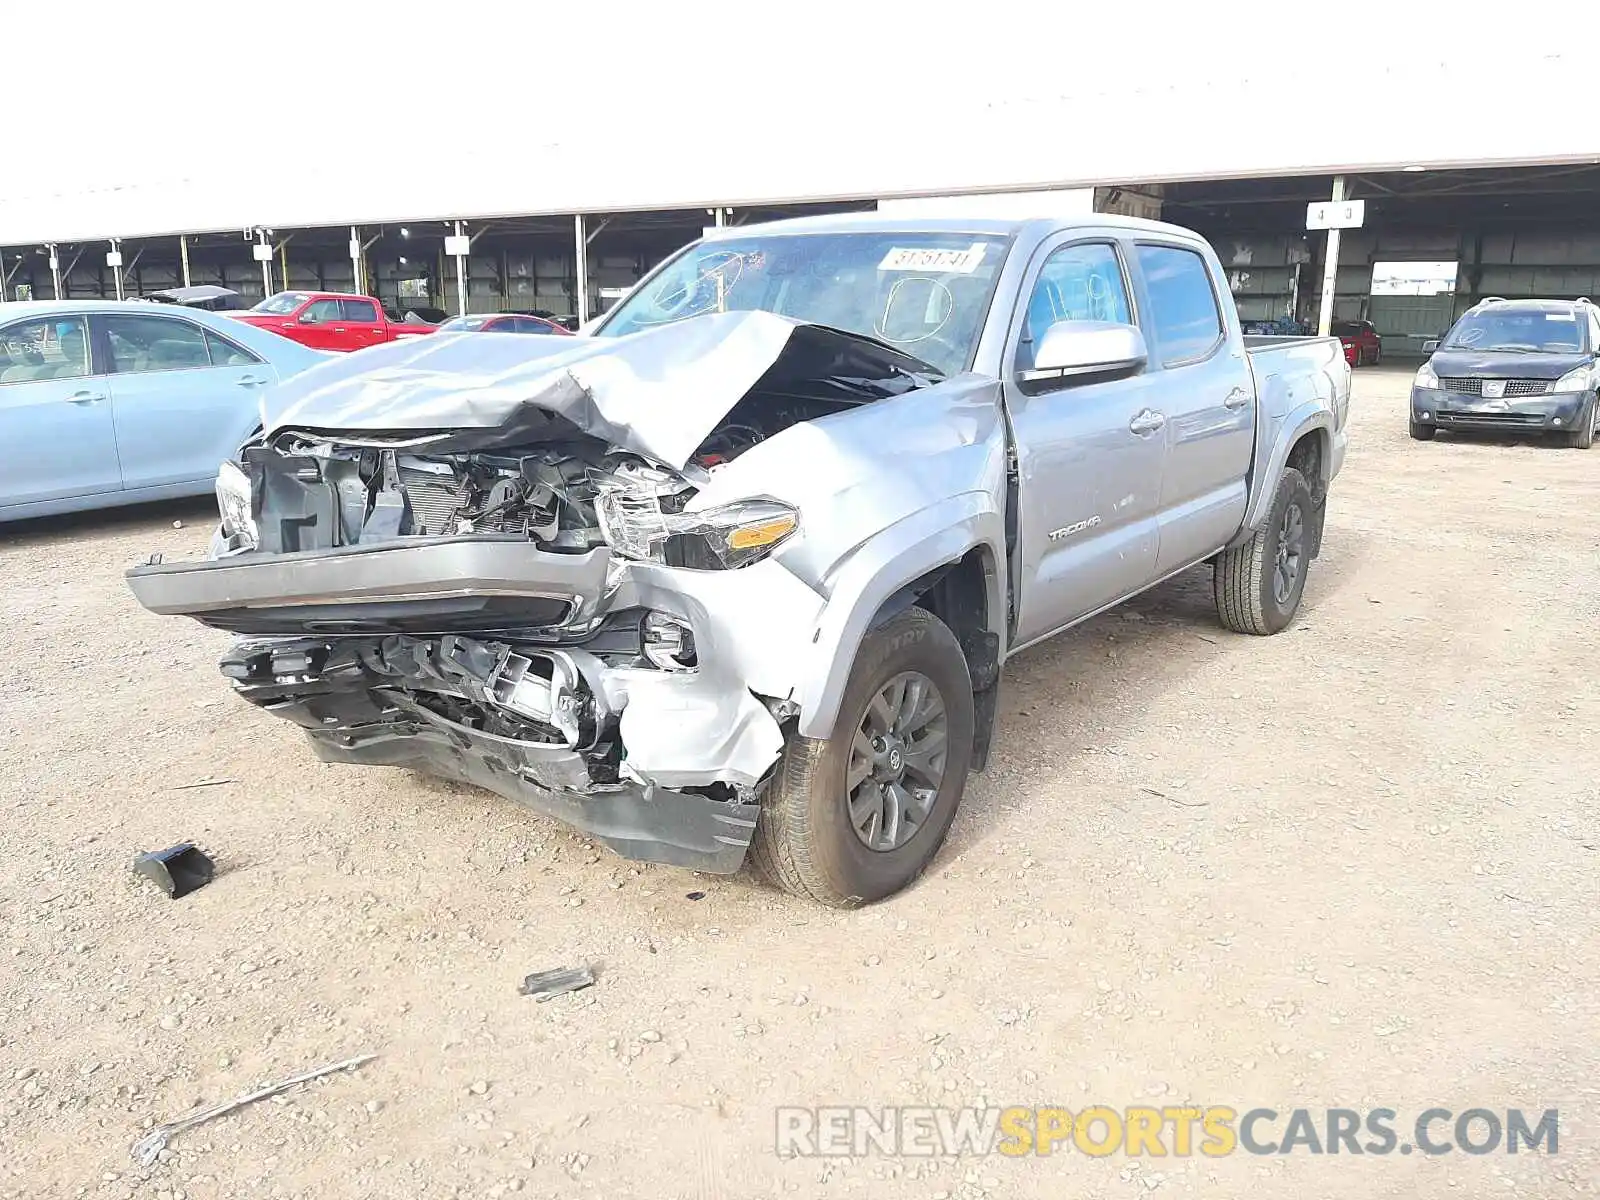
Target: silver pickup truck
[{"x": 735, "y": 572}]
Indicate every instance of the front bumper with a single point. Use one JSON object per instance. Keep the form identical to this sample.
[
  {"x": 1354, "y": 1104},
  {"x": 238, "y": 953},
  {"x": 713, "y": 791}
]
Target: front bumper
[
  {"x": 639, "y": 821},
  {"x": 1553, "y": 413},
  {"x": 487, "y": 661}
]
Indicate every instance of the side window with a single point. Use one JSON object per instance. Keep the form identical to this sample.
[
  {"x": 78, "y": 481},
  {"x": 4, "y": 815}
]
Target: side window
[
  {"x": 155, "y": 344},
  {"x": 1076, "y": 283},
  {"x": 531, "y": 325},
  {"x": 322, "y": 310},
  {"x": 1594, "y": 332},
  {"x": 57, "y": 348},
  {"x": 1183, "y": 309},
  {"x": 360, "y": 310},
  {"x": 226, "y": 354}
]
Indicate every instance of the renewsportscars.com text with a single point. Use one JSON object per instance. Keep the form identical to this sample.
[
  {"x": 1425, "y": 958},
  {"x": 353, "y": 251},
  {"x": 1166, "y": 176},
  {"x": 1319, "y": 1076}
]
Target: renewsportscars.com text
[{"x": 1147, "y": 1132}]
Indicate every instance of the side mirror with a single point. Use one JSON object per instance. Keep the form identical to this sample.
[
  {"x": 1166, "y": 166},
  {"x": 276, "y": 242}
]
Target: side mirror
[
  {"x": 1429, "y": 346},
  {"x": 1070, "y": 349},
  {"x": 308, "y": 318}
]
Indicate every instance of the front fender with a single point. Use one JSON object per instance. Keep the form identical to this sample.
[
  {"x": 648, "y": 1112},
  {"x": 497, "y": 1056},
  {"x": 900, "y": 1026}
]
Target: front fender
[{"x": 930, "y": 538}]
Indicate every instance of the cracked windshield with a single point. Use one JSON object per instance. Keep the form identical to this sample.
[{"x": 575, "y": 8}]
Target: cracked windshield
[{"x": 925, "y": 294}]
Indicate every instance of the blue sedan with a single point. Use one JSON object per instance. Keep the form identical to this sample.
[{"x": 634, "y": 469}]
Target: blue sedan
[{"x": 105, "y": 403}]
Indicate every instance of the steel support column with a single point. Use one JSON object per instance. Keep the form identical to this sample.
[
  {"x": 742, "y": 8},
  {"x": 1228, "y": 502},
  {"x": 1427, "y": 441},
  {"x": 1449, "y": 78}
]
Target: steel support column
[
  {"x": 461, "y": 277},
  {"x": 183, "y": 257},
  {"x": 582, "y": 252},
  {"x": 1330, "y": 267}
]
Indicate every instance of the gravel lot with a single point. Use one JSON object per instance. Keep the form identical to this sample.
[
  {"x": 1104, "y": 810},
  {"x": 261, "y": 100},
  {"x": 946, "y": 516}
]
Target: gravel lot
[{"x": 1353, "y": 865}]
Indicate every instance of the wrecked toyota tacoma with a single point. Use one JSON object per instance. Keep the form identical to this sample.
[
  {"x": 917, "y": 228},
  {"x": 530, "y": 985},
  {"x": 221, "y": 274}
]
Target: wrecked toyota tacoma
[{"x": 735, "y": 572}]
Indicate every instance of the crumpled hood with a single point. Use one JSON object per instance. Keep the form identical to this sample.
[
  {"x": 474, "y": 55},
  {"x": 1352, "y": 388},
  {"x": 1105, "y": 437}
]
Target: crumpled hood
[
  {"x": 657, "y": 393},
  {"x": 1504, "y": 364}
]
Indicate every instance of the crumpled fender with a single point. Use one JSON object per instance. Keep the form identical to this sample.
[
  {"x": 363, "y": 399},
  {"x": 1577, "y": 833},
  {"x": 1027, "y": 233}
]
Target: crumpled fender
[{"x": 931, "y": 538}]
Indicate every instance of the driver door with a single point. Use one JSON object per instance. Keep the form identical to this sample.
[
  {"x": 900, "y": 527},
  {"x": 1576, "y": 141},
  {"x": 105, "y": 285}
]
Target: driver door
[
  {"x": 57, "y": 438},
  {"x": 1089, "y": 468},
  {"x": 318, "y": 325}
]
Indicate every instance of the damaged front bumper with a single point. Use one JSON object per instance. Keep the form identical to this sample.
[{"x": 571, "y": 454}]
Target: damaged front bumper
[{"x": 484, "y": 660}]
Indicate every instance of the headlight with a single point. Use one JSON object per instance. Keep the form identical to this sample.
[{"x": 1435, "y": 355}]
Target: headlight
[
  {"x": 1575, "y": 380},
  {"x": 715, "y": 539},
  {"x": 233, "y": 503},
  {"x": 1426, "y": 378}
]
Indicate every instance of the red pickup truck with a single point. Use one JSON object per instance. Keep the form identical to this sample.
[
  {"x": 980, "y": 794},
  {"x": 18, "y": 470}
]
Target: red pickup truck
[{"x": 330, "y": 320}]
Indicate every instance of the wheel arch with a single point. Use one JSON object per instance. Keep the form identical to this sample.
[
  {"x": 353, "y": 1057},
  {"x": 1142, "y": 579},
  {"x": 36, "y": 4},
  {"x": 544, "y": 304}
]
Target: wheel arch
[{"x": 949, "y": 559}]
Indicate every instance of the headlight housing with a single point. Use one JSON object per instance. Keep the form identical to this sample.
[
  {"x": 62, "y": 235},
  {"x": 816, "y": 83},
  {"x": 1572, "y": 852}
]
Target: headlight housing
[
  {"x": 714, "y": 539},
  {"x": 233, "y": 503},
  {"x": 1426, "y": 377},
  {"x": 1575, "y": 380}
]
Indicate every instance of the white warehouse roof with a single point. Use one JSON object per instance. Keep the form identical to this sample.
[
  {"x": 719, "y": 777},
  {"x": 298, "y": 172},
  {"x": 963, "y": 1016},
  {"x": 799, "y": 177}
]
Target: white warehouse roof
[{"x": 365, "y": 119}]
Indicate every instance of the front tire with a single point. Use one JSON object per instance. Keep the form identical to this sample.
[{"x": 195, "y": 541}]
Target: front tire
[
  {"x": 859, "y": 815},
  {"x": 1423, "y": 433},
  {"x": 1582, "y": 437},
  {"x": 1257, "y": 586}
]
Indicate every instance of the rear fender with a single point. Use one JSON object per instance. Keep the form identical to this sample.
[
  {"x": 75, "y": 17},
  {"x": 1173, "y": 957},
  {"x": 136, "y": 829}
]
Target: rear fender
[
  {"x": 875, "y": 572},
  {"x": 1312, "y": 415}
]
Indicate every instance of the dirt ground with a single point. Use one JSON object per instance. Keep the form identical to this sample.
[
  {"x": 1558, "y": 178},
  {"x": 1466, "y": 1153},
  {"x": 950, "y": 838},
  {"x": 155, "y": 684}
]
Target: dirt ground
[{"x": 1353, "y": 865}]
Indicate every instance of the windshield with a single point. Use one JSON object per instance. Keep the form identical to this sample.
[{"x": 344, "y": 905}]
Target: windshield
[
  {"x": 925, "y": 294},
  {"x": 463, "y": 324},
  {"x": 281, "y": 303},
  {"x": 1529, "y": 330}
]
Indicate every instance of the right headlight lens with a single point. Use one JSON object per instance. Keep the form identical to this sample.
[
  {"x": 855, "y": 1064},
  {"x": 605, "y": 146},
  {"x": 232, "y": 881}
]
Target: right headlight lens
[
  {"x": 1575, "y": 380},
  {"x": 713, "y": 539},
  {"x": 1426, "y": 377}
]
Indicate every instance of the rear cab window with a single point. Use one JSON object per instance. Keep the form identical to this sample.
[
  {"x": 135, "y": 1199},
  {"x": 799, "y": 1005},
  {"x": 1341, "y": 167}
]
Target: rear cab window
[
  {"x": 1185, "y": 319},
  {"x": 365, "y": 311}
]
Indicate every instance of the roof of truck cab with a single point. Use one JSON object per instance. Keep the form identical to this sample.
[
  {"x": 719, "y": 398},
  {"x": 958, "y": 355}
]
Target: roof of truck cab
[{"x": 866, "y": 222}]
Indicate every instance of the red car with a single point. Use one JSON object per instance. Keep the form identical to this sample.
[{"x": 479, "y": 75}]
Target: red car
[
  {"x": 330, "y": 320},
  {"x": 1362, "y": 346},
  {"x": 503, "y": 323}
]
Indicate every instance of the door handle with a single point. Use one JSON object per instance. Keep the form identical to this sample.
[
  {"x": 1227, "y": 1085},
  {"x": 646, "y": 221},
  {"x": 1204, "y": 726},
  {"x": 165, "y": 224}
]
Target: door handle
[
  {"x": 249, "y": 380},
  {"x": 1147, "y": 422},
  {"x": 1237, "y": 398},
  {"x": 87, "y": 397},
  {"x": 340, "y": 329}
]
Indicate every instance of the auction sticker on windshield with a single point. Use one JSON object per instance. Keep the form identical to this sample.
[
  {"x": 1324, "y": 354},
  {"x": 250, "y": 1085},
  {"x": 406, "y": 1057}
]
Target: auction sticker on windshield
[{"x": 919, "y": 258}]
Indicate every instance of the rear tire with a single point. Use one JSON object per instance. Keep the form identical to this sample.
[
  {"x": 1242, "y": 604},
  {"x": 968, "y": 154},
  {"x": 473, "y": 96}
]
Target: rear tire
[
  {"x": 809, "y": 838},
  {"x": 1422, "y": 433},
  {"x": 1257, "y": 586},
  {"x": 1582, "y": 437}
]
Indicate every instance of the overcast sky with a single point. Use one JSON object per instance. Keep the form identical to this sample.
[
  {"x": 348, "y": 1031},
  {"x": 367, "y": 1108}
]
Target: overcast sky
[{"x": 285, "y": 99}]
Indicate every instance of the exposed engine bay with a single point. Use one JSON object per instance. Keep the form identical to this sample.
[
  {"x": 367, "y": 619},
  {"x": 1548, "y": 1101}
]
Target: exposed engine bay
[{"x": 307, "y": 492}]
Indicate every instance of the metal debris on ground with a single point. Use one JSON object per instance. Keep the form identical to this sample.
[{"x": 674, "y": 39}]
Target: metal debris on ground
[
  {"x": 177, "y": 870},
  {"x": 549, "y": 984},
  {"x": 149, "y": 1147},
  {"x": 200, "y": 783}
]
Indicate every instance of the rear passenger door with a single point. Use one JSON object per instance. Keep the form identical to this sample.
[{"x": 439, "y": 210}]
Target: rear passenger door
[
  {"x": 1207, "y": 395},
  {"x": 57, "y": 439},
  {"x": 184, "y": 397},
  {"x": 363, "y": 324},
  {"x": 1089, "y": 468}
]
